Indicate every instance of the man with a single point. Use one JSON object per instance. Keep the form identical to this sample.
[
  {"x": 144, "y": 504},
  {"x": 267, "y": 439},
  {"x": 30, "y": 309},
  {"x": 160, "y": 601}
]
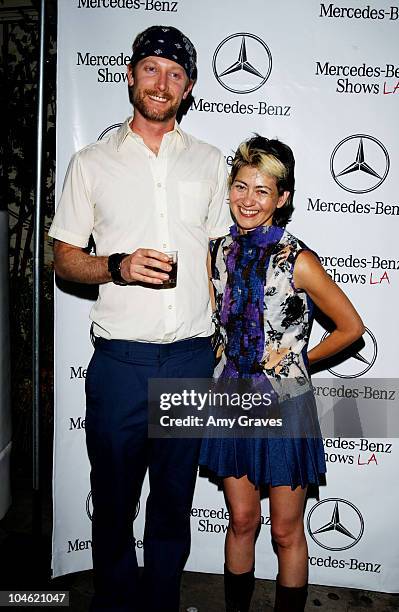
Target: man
[{"x": 150, "y": 188}]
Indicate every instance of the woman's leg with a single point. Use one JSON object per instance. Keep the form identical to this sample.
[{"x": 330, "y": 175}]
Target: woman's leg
[
  {"x": 243, "y": 502},
  {"x": 286, "y": 512}
]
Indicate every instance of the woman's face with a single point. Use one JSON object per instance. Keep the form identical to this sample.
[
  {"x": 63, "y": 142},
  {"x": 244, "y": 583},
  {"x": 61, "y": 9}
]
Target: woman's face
[{"x": 254, "y": 198}]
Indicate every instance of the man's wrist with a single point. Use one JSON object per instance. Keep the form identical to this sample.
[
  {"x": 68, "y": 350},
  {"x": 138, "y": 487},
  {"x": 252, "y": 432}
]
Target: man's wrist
[{"x": 114, "y": 267}]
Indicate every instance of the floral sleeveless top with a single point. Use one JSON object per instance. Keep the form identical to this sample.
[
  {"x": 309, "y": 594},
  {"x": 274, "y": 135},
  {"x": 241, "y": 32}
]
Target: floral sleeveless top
[{"x": 262, "y": 315}]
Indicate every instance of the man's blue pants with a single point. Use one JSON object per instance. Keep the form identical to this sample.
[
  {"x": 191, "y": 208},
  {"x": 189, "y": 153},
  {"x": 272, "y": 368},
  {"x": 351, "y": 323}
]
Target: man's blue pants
[{"x": 120, "y": 453}]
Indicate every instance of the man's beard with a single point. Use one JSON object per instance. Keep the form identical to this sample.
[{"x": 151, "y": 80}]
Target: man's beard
[{"x": 139, "y": 102}]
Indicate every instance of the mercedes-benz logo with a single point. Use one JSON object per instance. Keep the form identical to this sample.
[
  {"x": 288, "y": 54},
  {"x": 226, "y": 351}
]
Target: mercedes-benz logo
[
  {"x": 115, "y": 126},
  {"x": 242, "y": 63},
  {"x": 357, "y": 359},
  {"x": 89, "y": 507},
  {"x": 359, "y": 163},
  {"x": 335, "y": 524}
]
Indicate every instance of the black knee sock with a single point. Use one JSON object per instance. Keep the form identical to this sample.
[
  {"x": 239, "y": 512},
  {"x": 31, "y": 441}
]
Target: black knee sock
[
  {"x": 238, "y": 589},
  {"x": 290, "y": 599}
]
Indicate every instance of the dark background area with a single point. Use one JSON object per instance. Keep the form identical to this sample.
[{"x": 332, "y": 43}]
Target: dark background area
[
  {"x": 18, "y": 77},
  {"x": 24, "y": 548}
]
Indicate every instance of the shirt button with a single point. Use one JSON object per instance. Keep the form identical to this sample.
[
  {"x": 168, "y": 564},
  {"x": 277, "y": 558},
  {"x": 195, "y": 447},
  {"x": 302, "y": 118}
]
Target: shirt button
[
  {"x": 170, "y": 307},
  {"x": 164, "y": 245},
  {"x": 159, "y": 184},
  {"x": 162, "y": 215}
]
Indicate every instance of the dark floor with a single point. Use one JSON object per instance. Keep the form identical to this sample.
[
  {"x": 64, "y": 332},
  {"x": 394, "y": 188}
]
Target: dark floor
[{"x": 25, "y": 565}]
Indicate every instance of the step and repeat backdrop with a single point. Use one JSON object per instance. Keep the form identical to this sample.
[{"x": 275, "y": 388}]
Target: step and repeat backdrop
[{"x": 323, "y": 77}]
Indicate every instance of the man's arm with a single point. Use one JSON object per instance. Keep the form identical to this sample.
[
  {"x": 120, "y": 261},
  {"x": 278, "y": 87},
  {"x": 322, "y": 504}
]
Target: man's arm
[
  {"x": 72, "y": 263},
  {"x": 219, "y": 218}
]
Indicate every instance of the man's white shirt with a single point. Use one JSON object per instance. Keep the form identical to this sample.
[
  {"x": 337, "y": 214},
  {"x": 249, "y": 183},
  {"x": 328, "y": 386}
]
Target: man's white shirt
[{"x": 127, "y": 197}]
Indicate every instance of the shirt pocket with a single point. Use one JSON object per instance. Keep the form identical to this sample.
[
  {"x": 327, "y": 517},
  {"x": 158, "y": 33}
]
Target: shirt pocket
[{"x": 194, "y": 198}]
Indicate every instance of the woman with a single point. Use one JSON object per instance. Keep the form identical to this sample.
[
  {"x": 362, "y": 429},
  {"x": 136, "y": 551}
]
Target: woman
[{"x": 266, "y": 284}]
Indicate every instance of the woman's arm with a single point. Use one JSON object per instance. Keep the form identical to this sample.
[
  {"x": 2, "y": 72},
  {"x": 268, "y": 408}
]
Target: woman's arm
[{"x": 310, "y": 276}]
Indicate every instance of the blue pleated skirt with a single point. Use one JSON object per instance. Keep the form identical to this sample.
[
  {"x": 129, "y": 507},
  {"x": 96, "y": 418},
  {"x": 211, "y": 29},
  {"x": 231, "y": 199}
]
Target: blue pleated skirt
[{"x": 290, "y": 460}]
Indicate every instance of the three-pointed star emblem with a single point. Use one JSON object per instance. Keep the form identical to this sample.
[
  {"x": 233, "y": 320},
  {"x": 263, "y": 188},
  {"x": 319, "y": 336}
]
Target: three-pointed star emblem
[
  {"x": 359, "y": 165},
  {"x": 335, "y": 525},
  {"x": 242, "y": 63},
  {"x": 346, "y": 364}
]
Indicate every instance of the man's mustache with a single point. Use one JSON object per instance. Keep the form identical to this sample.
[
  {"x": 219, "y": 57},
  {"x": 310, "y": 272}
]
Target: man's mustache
[{"x": 163, "y": 94}]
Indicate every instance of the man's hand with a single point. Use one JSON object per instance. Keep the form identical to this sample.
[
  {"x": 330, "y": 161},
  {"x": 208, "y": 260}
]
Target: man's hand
[
  {"x": 145, "y": 266},
  {"x": 74, "y": 264}
]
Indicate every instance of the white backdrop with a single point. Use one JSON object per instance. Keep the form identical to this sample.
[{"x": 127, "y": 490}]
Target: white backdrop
[{"x": 323, "y": 78}]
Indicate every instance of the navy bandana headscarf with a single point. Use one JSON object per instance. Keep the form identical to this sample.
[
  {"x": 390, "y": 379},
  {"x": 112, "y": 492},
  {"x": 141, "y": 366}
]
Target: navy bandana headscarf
[{"x": 168, "y": 42}]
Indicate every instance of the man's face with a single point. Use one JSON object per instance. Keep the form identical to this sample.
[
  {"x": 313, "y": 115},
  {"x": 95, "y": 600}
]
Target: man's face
[{"x": 158, "y": 86}]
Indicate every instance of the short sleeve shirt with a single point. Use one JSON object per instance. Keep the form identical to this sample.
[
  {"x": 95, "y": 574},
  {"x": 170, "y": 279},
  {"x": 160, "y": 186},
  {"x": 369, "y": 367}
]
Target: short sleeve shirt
[{"x": 127, "y": 197}]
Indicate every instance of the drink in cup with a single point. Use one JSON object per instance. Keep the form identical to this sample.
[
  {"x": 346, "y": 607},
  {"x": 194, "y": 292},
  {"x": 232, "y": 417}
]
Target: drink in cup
[{"x": 171, "y": 282}]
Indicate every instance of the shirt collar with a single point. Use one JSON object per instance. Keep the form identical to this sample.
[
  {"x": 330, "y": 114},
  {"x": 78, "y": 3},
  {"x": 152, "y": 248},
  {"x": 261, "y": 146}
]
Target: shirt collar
[
  {"x": 125, "y": 130},
  {"x": 122, "y": 133}
]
